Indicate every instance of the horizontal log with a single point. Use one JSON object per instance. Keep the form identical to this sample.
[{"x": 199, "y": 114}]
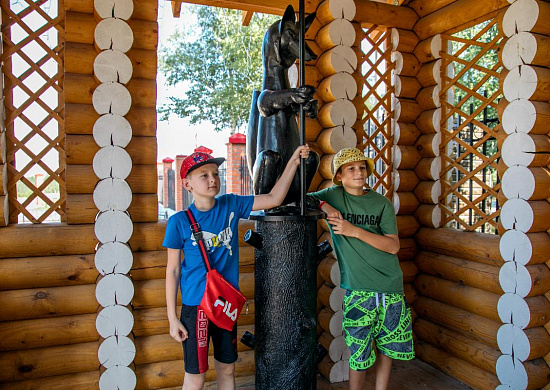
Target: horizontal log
[
  {"x": 409, "y": 270},
  {"x": 405, "y": 157},
  {"x": 526, "y": 183},
  {"x": 334, "y": 345},
  {"x": 429, "y": 121},
  {"x": 147, "y": 9},
  {"x": 457, "y": 344},
  {"x": 527, "y": 82},
  {"x": 337, "y": 59},
  {"x": 430, "y": 74},
  {"x": 526, "y": 48},
  {"x": 334, "y": 139},
  {"x": 528, "y": 375},
  {"x": 428, "y": 215},
  {"x": 329, "y": 10},
  {"x": 407, "y": 249},
  {"x": 369, "y": 13},
  {"x": 47, "y": 240},
  {"x": 428, "y": 168},
  {"x": 331, "y": 321},
  {"x": 4, "y": 210},
  {"x": 48, "y": 332},
  {"x": 474, "y": 326},
  {"x": 81, "y": 208},
  {"x": 407, "y": 225},
  {"x": 80, "y": 119},
  {"x": 526, "y": 149},
  {"x": 424, "y": 8},
  {"x": 429, "y": 49},
  {"x": 525, "y": 344},
  {"x": 81, "y": 380},
  {"x": 464, "y": 297},
  {"x": 80, "y": 57},
  {"x": 531, "y": 248},
  {"x": 333, "y": 371},
  {"x": 403, "y": 40},
  {"x": 407, "y": 110},
  {"x": 456, "y": 367},
  {"x": 81, "y": 179},
  {"x": 341, "y": 112},
  {"x": 428, "y": 98},
  {"x": 325, "y": 166},
  {"x": 81, "y": 149},
  {"x": 406, "y": 87},
  {"x": 406, "y": 64},
  {"x": 467, "y": 272},
  {"x": 410, "y": 294},
  {"x": 404, "y": 202},
  {"x": 405, "y": 133},
  {"x": 524, "y": 312},
  {"x": 525, "y": 116},
  {"x": 428, "y": 191},
  {"x": 80, "y": 28},
  {"x": 428, "y": 144},
  {"x": 531, "y": 16},
  {"x": 338, "y": 86},
  {"x": 338, "y": 32},
  {"x": 404, "y": 180},
  {"x": 453, "y": 15},
  {"x": 45, "y": 362},
  {"x": 331, "y": 297},
  {"x": 480, "y": 247},
  {"x": 526, "y": 216},
  {"x": 329, "y": 270},
  {"x": 80, "y": 88}
]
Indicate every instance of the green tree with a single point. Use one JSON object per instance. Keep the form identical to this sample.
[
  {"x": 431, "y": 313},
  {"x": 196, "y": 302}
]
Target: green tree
[{"x": 218, "y": 63}]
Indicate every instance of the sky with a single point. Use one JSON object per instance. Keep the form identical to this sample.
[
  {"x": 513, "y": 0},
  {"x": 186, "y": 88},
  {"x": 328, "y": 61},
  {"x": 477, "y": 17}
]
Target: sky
[{"x": 177, "y": 136}]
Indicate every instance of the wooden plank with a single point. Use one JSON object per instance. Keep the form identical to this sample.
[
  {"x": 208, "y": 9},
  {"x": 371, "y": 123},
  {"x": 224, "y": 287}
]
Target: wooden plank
[{"x": 147, "y": 9}]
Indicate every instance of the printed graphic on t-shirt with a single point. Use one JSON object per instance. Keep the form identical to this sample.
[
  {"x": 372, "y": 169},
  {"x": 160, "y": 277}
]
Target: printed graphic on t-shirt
[
  {"x": 362, "y": 219},
  {"x": 214, "y": 241}
]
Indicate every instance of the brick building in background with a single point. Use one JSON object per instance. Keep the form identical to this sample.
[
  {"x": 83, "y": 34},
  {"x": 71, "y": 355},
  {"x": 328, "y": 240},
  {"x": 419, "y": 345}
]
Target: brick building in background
[{"x": 234, "y": 177}]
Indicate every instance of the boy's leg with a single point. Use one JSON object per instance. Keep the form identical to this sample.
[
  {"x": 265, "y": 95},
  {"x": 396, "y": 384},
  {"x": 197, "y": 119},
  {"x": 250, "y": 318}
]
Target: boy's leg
[
  {"x": 193, "y": 381},
  {"x": 383, "y": 369},
  {"x": 360, "y": 313},
  {"x": 195, "y": 347},
  {"x": 357, "y": 379},
  {"x": 225, "y": 355},
  {"x": 226, "y": 375}
]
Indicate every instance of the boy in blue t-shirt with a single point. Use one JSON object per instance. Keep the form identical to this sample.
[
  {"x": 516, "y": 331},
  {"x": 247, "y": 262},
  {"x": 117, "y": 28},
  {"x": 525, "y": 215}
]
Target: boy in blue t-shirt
[{"x": 219, "y": 220}]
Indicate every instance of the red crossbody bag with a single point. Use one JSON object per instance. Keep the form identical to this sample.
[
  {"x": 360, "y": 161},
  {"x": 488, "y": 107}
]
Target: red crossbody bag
[{"x": 221, "y": 302}]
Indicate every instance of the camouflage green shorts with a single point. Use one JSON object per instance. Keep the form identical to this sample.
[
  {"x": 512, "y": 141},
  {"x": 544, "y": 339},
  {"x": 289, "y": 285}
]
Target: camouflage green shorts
[{"x": 382, "y": 318}]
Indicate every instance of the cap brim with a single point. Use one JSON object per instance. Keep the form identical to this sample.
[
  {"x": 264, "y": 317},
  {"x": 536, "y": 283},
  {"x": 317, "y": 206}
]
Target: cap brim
[{"x": 216, "y": 160}]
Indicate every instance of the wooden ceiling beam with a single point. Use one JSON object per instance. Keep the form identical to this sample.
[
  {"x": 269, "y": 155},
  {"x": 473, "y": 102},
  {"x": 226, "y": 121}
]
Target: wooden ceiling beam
[
  {"x": 247, "y": 16},
  {"x": 275, "y": 7},
  {"x": 176, "y": 8},
  {"x": 372, "y": 12}
]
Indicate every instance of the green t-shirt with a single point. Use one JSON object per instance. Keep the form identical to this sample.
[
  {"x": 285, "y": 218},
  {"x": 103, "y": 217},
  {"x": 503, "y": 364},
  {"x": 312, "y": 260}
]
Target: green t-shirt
[{"x": 363, "y": 267}]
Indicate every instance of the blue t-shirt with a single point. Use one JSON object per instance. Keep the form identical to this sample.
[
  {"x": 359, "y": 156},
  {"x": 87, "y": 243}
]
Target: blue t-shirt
[{"x": 219, "y": 227}]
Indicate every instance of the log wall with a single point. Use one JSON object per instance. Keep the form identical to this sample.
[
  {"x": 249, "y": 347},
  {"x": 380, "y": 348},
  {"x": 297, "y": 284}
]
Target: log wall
[{"x": 523, "y": 362}]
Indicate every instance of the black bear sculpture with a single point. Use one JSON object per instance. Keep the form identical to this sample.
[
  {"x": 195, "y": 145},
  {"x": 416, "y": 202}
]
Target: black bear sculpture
[{"x": 272, "y": 128}]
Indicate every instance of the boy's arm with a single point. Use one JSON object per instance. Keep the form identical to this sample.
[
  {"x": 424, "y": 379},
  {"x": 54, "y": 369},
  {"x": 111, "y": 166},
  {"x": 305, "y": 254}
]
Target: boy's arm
[
  {"x": 278, "y": 192},
  {"x": 386, "y": 243},
  {"x": 173, "y": 272}
]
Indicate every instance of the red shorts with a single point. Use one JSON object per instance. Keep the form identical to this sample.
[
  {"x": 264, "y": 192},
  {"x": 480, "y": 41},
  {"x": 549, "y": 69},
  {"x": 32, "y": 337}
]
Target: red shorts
[{"x": 200, "y": 330}]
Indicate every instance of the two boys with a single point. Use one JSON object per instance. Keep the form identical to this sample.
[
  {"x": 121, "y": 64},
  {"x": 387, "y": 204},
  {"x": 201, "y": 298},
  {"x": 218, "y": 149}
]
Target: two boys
[{"x": 374, "y": 307}]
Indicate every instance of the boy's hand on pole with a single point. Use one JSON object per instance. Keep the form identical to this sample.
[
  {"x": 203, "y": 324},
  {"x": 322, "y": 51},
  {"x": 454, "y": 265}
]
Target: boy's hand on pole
[{"x": 300, "y": 152}]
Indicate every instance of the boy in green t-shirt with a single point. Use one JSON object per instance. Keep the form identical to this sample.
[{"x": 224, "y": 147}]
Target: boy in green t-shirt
[{"x": 363, "y": 227}]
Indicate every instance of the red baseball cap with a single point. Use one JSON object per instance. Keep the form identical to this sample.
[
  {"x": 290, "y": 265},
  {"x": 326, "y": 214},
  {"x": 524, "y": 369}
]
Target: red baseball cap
[{"x": 198, "y": 159}]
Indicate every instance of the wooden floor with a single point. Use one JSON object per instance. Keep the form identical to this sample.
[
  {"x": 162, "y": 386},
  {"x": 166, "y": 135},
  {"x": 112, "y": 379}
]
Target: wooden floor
[{"x": 411, "y": 375}]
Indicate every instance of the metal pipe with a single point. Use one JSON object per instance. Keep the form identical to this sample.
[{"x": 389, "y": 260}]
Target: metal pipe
[{"x": 302, "y": 74}]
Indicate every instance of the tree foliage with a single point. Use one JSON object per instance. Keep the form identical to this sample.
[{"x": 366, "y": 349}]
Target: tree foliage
[{"x": 217, "y": 62}]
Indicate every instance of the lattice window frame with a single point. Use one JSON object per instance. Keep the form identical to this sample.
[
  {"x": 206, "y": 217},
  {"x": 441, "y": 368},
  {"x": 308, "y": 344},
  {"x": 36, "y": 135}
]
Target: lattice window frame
[
  {"x": 378, "y": 142},
  {"x": 14, "y": 145},
  {"x": 451, "y": 216}
]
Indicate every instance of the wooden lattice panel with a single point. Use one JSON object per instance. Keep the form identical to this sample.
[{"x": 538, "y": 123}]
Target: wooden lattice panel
[
  {"x": 32, "y": 58},
  {"x": 469, "y": 123},
  {"x": 376, "y": 139}
]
